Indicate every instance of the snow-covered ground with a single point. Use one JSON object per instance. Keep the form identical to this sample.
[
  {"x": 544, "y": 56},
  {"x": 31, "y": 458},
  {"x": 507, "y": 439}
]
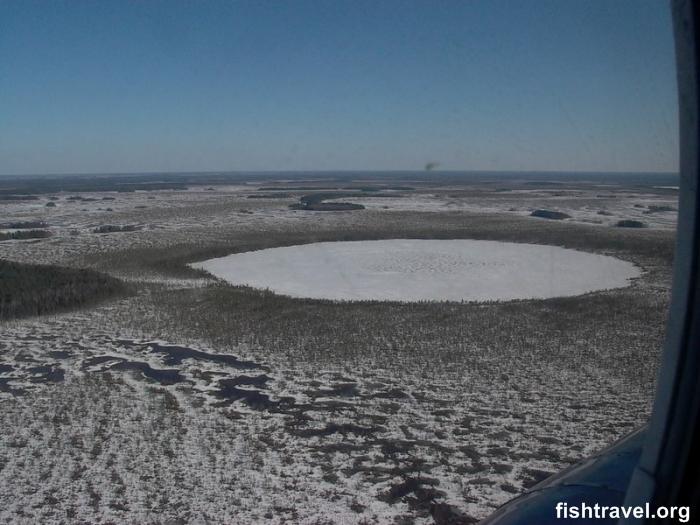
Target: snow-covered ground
[
  {"x": 197, "y": 402},
  {"x": 656, "y": 209},
  {"x": 423, "y": 270},
  {"x": 102, "y": 424}
]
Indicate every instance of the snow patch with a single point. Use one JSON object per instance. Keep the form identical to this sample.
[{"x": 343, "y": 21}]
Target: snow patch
[{"x": 423, "y": 270}]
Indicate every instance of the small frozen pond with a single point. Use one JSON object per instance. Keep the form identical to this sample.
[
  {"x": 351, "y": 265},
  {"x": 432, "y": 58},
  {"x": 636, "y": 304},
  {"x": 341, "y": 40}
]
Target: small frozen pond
[{"x": 423, "y": 270}]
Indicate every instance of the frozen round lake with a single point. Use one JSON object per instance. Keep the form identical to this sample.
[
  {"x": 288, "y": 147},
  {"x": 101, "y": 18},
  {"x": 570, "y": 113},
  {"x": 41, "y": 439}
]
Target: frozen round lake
[{"x": 423, "y": 270}]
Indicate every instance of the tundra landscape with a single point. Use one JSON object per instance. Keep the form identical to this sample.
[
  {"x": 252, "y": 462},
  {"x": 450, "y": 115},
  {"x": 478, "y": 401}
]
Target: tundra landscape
[{"x": 172, "y": 351}]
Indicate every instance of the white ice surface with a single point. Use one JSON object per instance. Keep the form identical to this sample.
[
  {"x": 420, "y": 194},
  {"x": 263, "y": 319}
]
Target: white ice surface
[{"x": 423, "y": 270}]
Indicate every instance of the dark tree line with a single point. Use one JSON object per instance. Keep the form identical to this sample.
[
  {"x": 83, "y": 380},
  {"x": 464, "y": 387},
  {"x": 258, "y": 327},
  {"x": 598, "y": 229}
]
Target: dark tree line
[
  {"x": 32, "y": 289},
  {"x": 111, "y": 228},
  {"x": 24, "y": 234},
  {"x": 23, "y": 225}
]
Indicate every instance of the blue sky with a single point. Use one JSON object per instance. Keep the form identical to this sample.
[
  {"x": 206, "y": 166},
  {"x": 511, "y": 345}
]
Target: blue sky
[{"x": 100, "y": 86}]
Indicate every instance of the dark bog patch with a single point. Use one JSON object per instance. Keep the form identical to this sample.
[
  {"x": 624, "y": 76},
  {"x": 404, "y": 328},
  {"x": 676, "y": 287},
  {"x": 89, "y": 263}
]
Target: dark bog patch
[
  {"x": 5, "y": 386},
  {"x": 25, "y": 357},
  {"x": 400, "y": 490},
  {"x": 5, "y": 368},
  {"x": 628, "y": 223},
  {"x": 229, "y": 392},
  {"x": 331, "y": 405},
  {"x": 259, "y": 381},
  {"x": 532, "y": 476},
  {"x": 421, "y": 495},
  {"x": 424, "y": 498},
  {"x": 98, "y": 360},
  {"x": 653, "y": 208},
  {"x": 174, "y": 355},
  {"x": 207, "y": 375},
  {"x": 394, "y": 393},
  {"x": 445, "y": 514},
  {"x": 550, "y": 214},
  {"x": 252, "y": 398},
  {"x": 60, "y": 354},
  {"x": 47, "y": 374},
  {"x": 162, "y": 376}
]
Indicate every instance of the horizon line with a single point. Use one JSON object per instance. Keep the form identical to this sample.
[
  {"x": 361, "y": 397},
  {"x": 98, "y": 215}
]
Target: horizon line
[{"x": 345, "y": 170}]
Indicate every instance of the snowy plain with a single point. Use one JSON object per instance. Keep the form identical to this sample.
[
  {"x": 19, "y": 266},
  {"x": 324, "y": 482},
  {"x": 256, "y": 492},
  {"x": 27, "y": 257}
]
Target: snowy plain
[{"x": 347, "y": 412}]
